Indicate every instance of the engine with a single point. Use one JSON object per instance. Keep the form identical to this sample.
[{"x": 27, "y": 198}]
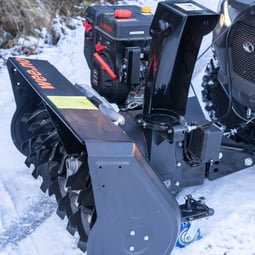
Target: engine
[{"x": 116, "y": 47}]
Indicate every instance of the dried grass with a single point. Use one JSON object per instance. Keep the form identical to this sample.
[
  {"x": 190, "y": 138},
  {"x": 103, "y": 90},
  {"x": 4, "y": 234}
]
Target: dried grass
[
  {"x": 22, "y": 17},
  {"x": 26, "y": 17}
]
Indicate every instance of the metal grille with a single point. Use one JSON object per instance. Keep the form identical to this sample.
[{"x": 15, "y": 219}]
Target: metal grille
[{"x": 243, "y": 51}]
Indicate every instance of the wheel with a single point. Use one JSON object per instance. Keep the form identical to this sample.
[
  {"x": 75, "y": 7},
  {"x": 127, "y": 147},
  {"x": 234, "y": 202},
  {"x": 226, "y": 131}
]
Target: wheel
[{"x": 184, "y": 237}]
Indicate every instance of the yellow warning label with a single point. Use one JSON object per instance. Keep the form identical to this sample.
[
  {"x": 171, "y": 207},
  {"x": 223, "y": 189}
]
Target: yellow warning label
[{"x": 72, "y": 102}]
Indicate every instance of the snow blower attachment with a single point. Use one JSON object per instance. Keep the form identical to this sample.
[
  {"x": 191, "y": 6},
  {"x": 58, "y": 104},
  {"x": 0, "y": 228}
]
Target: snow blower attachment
[{"x": 117, "y": 183}]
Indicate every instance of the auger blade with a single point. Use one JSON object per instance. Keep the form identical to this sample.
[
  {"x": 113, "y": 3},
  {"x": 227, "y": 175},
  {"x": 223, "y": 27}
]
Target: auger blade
[
  {"x": 68, "y": 204},
  {"x": 39, "y": 114},
  {"x": 81, "y": 222},
  {"x": 36, "y": 157},
  {"x": 38, "y": 128},
  {"x": 57, "y": 188},
  {"x": 27, "y": 148},
  {"x": 47, "y": 140},
  {"x": 86, "y": 197},
  {"x": 77, "y": 180},
  {"x": 48, "y": 171}
]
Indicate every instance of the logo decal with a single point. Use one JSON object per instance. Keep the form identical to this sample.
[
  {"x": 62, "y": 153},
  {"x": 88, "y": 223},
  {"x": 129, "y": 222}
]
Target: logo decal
[
  {"x": 35, "y": 74},
  {"x": 248, "y": 47}
]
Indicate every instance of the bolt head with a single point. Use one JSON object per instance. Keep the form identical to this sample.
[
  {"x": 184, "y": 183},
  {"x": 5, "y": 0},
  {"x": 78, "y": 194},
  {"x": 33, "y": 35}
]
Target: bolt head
[
  {"x": 178, "y": 164},
  {"x": 177, "y": 184},
  {"x": 248, "y": 162},
  {"x": 132, "y": 232},
  {"x": 146, "y": 238},
  {"x": 131, "y": 248}
]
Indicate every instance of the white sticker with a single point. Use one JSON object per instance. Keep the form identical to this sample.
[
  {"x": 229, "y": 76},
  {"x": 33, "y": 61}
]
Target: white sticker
[
  {"x": 189, "y": 7},
  {"x": 136, "y": 32}
]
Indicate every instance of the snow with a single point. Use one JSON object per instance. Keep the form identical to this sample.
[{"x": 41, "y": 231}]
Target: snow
[{"x": 28, "y": 222}]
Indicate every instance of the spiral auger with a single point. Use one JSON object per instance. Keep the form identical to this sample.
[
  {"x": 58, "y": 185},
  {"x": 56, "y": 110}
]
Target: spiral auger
[
  {"x": 78, "y": 203},
  {"x": 65, "y": 176},
  {"x": 41, "y": 148}
]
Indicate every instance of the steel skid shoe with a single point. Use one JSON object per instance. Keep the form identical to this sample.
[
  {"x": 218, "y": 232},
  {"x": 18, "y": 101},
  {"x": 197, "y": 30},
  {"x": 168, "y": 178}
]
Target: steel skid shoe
[{"x": 193, "y": 211}]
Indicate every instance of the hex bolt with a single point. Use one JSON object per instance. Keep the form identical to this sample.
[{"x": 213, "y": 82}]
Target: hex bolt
[
  {"x": 18, "y": 83},
  {"x": 146, "y": 238},
  {"x": 248, "y": 162}
]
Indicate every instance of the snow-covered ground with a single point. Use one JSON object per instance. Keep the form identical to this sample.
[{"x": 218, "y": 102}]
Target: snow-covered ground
[{"x": 28, "y": 222}]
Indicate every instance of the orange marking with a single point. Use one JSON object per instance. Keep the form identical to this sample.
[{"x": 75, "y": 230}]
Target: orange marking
[
  {"x": 105, "y": 66},
  {"x": 35, "y": 74}
]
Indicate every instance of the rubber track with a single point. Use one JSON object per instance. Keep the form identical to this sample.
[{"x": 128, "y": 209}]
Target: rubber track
[{"x": 209, "y": 85}]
